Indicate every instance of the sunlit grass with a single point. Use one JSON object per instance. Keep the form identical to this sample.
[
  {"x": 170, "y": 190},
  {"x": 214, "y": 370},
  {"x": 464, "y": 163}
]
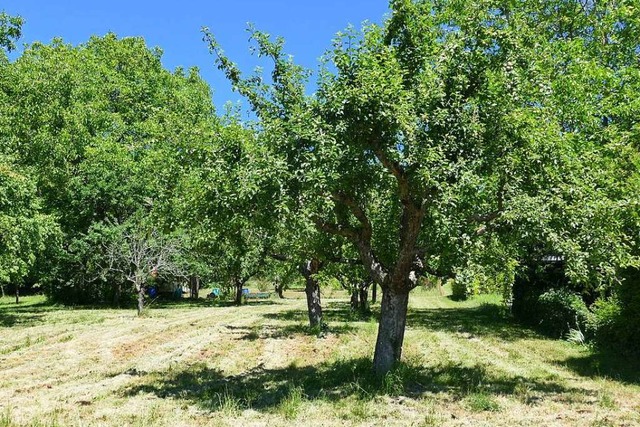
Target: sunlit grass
[{"x": 192, "y": 363}]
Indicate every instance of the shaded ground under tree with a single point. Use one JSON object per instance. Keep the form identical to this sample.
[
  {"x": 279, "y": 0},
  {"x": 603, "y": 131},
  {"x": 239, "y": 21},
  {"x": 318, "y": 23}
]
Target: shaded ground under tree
[{"x": 264, "y": 389}]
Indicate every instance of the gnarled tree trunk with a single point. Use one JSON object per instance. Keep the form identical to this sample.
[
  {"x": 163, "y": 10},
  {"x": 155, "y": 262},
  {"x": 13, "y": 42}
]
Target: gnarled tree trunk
[
  {"x": 312, "y": 289},
  {"x": 393, "y": 317}
]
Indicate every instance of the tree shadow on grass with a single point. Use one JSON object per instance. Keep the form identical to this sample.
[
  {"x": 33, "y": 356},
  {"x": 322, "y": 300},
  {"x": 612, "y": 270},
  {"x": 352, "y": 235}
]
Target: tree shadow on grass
[
  {"x": 25, "y": 314},
  {"x": 289, "y": 315},
  {"x": 605, "y": 364},
  {"x": 265, "y": 389},
  {"x": 335, "y": 311},
  {"x": 171, "y": 303},
  {"x": 29, "y": 313},
  {"x": 253, "y": 333},
  {"x": 251, "y": 302},
  {"x": 10, "y": 320},
  {"x": 487, "y": 320}
]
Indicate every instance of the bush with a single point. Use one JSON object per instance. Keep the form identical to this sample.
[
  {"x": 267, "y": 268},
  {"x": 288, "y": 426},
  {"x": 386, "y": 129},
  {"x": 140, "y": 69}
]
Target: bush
[
  {"x": 79, "y": 291},
  {"x": 84, "y": 281},
  {"x": 542, "y": 297},
  {"x": 560, "y": 310},
  {"x": 459, "y": 290},
  {"x": 605, "y": 321},
  {"x": 475, "y": 279},
  {"x": 615, "y": 324}
]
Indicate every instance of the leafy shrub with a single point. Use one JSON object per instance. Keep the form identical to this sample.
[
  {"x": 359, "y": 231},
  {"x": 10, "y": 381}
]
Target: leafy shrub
[
  {"x": 86, "y": 282},
  {"x": 459, "y": 290},
  {"x": 529, "y": 284},
  {"x": 605, "y": 319},
  {"x": 476, "y": 279},
  {"x": 542, "y": 296},
  {"x": 560, "y": 310},
  {"x": 615, "y": 324}
]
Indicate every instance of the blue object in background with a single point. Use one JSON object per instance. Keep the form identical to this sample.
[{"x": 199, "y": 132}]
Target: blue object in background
[
  {"x": 153, "y": 292},
  {"x": 245, "y": 291}
]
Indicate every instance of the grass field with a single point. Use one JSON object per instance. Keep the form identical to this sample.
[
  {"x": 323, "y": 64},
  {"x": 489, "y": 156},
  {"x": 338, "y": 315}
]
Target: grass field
[{"x": 465, "y": 364}]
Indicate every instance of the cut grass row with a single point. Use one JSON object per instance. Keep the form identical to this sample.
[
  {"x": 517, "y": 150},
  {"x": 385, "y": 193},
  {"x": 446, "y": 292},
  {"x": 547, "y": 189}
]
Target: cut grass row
[{"x": 464, "y": 364}]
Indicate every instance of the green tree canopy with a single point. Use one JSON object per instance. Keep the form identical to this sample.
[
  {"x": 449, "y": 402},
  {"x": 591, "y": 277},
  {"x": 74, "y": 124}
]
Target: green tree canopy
[
  {"x": 10, "y": 31},
  {"x": 24, "y": 230},
  {"x": 452, "y": 122},
  {"x": 105, "y": 130}
]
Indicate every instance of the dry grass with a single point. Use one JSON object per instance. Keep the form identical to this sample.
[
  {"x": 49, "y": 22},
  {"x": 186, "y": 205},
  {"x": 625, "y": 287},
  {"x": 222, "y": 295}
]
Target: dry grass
[{"x": 465, "y": 364}]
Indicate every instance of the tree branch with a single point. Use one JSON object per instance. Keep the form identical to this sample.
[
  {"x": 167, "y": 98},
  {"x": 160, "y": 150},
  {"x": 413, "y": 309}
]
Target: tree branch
[
  {"x": 488, "y": 217},
  {"x": 396, "y": 169},
  {"x": 357, "y": 211},
  {"x": 337, "y": 229},
  {"x": 280, "y": 257},
  {"x": 346, "y": 261}
]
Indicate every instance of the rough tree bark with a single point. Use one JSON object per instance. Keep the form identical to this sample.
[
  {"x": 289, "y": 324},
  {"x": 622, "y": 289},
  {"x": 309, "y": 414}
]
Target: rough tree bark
[
  {"x": 393, "y": 318},
  {"x": 374, "y": 293},
  {"x": 279, "y": 287},
  {"x": 312, "y": 289},
  {"x": 140, "y": 288},
  {"x": 363, "y": 291},
  {"x": 396, "y": 282},
  {"x": 238, "y": 284},
  {"x": 396, "y": 287},
  {"x": 194, "y": 286}
]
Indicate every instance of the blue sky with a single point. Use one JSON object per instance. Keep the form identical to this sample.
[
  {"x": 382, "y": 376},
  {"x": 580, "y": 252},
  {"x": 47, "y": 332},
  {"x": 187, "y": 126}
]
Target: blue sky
[{"x": 307, "y": 26}]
